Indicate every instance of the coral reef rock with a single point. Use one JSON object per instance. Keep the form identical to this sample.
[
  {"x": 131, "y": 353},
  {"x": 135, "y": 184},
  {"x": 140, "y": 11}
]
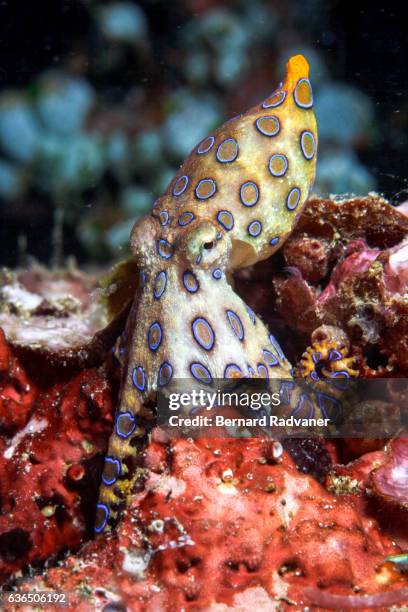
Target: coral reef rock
[{"x": 222, "y": 525}]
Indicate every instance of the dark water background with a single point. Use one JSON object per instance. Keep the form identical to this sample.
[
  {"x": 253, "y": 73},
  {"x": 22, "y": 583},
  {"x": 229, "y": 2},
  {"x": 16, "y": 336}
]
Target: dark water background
[{"x": 143, "y": 84}]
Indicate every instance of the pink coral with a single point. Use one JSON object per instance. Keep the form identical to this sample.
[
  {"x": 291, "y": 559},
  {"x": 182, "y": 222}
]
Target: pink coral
[
  {"x": 220, "y": 523},
  {"x": 390, "y": 481},
  {"x": 54, "y": 427}
]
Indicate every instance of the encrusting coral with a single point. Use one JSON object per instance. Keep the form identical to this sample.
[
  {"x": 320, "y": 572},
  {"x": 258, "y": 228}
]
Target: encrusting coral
[
  {"x": 223, "y": 525},
  {"x": 54, "y": 423}
]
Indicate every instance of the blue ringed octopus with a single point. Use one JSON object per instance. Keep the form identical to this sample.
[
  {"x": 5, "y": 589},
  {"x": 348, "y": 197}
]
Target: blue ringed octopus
[{"x": 233, "y": 203}]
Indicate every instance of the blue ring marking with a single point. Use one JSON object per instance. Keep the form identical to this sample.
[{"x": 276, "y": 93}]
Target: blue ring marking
[
  {"x": 251, "y": 371},
  {"x": 304, "y": 398},
  {"x": 274, "y": 241},
  {"x": 314, "y": 376},
  {"x": 285, "y": 391},
  {"x": 105, "y": 520},
  {"x": 341, "y": 374},
  {"x": 229, "y": 224},
  {"x": 165, "y": 374},
  {"x": 185, "y": 218},
  {"x": 160, "y": 284},
  {"x": 261, "y": 367},
  {"x": 316, "y": 357},
  {"x": 302, "y": 146},
  {"x": 251, "y": 314},
  {"x": 340, "y": 379},
  {"x": 227, "y": 161},
  {"x": 229, "y": 368},
  {"x": 203, "y": 147},
  {"x": 180, "y": 185},
  {"x": 285, "y": 168},
  {"x": 136, "y": 371},
  {"x": 270, "y": 358},
  {"x": 198, "y": 258},
  {"x": 296, "y": 191},
  {"x": 300, "y": 104},
  {"x": 209, "y": 195},
  {"x": 260, "y": 120},
  {"x": 335, "y": 355},
  {"x": 241, "y": 193},
  {"x": 209, "y": 345},
  {"x": 254, "y": 228},
  {"x": 114, "y": 478},
  {"x": 164, "y": 217},
  {"x": 164, "y": 243},
  {"x": 233, "y": 318},
  {"x": 276, "y": 346},
  {"x": 197, "y": 369},
  {"x": 216, "y": 273},
  {"x": 281, "y": 96},
  {"x": 127, "y": 415},
  {"x": 142, "y": 279},
  {"x": 189, "y": 275},
  {"x": 153, "y": 346},
  {"x": 335, "y": 406}
]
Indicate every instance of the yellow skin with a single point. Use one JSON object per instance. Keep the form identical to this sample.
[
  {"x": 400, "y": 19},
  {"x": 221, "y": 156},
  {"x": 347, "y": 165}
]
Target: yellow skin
[{"x": 233, "y": 202}]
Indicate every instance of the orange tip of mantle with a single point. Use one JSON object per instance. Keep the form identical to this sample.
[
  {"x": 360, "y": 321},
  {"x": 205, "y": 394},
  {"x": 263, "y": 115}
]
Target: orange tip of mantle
[{"x": 296, "y": 68}]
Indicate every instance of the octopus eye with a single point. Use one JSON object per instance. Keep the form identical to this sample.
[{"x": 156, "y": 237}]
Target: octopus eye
[{"x": 205, "y": 245}]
